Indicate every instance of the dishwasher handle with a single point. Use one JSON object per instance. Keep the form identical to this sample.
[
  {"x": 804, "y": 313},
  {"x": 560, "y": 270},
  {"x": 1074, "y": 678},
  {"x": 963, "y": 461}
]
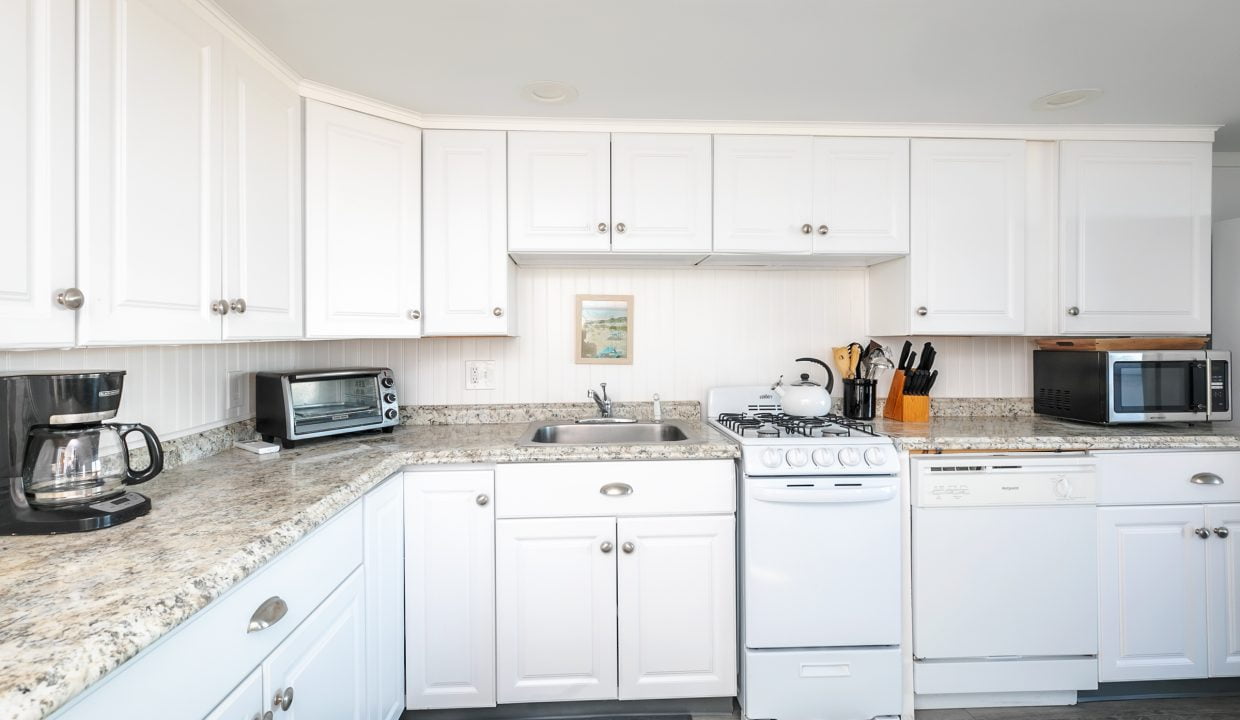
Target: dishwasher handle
[{"x": 825, "y": 495}]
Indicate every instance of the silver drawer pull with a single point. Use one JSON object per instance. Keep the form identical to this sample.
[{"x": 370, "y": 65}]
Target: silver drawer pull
[
  {"x": 616, "y": 489},
  {"x": 283, "y": 700},
  {"x": 268, "y": 614},
  {"x": 1206, "y": 479},
  {"x": 1222, "y": 532}
]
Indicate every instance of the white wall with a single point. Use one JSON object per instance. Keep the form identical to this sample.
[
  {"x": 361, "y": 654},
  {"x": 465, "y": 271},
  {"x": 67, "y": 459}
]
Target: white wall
[
  {"x": 1226, "y": 186},
  {"x": 694, "y": 329}
]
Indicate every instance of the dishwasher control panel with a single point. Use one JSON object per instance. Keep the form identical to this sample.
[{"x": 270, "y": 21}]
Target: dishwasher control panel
[{"x": 965, "y": 484}]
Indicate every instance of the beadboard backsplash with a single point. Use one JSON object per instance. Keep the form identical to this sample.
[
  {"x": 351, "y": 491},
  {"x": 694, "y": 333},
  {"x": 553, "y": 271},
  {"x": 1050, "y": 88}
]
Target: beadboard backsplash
[{"x": 694, "y": 329}]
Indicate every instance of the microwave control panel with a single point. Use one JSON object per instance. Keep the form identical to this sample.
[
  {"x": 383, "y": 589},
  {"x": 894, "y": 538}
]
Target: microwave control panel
[{"x": 1220, "y": 400}]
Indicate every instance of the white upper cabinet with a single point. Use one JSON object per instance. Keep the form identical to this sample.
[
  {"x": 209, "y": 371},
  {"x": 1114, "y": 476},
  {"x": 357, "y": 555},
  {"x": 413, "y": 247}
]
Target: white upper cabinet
[
  {"x": 763, "y": 194},
  {"x": 861, "y": 196},
  {"x": 363, "y": 225},
  {"x": 149, "y": 234},
  {"x": 559, "y": 192},
  {"x": 1135, "y": 237},
  {"x": 660, "y": 193},
  {"x": 262, "y": 260},
  {"x": 968, "y": 237},
  {"x": 36, "y": 176},
  {"x": 469, "y": 281}
]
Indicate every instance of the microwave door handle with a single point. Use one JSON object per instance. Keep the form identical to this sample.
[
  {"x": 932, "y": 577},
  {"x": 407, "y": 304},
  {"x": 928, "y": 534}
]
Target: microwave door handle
[{"x": 1199, "y": 386}]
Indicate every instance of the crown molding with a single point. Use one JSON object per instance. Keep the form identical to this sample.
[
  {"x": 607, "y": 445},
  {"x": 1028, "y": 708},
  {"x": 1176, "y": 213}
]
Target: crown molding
[
  {"x": 252, "y": 46},
  {"x": 335, "y": 96},
  {"x": 1227, "y": 159}
]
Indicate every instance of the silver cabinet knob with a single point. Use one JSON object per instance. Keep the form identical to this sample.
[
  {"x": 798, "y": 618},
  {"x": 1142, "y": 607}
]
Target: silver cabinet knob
[
  {"x": 621, "y": 227},
  {"x": 1222, "y": 532},
  {"x": 415, "y": 314},
  {"x": 923, "y": 311},
  {"x": 220, "y": 307},
  {"x": 237, "y": 306},
  {"x": 283, "y": 700},
  {"x": 482, "y": 499},
  {"x": 606, "y": 546},
  {"x": 1074, "y": 311},
  {"x": 823, "y": 229},
  {"x": 628, "y": 547},
  {"x": 71, "y": 299},
  {"x": 602, "y": 227},
  {"x": 1203, "y": 533},
  {"x": 806, "y": 229},
  {"x": 269, "y": 613},
  {"x": 498, "y": 312},
  {"x": 616, "y": 489}
]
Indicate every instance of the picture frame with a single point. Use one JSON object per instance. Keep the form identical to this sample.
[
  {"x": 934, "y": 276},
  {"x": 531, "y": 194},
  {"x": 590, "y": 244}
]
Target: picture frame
[{"x": 603, "y": 331}]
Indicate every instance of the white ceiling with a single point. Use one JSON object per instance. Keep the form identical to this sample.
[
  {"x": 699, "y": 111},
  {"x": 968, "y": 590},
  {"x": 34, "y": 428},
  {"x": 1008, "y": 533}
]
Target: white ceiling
[{"x": 955, "y": 61}]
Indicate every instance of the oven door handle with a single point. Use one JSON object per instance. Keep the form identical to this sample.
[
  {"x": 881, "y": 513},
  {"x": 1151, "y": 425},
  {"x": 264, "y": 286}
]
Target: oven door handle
[{"x": 824, "y": 495}]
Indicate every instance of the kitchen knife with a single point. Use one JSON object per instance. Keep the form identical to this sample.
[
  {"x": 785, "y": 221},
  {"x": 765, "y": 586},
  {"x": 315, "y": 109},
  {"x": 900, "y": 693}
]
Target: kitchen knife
[
  {"x": 908, "y": 366},
  {"x": 929, "y": 363},
  {"x": 930, "y": 383},
  {"x": 925, "y": 356},
  {"x": 908, "y": 345}
]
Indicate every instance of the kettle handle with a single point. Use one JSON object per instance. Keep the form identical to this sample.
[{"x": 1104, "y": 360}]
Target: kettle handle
[
  {"x": 152, "y": 446},
  {"x": 830, "y": 375}
]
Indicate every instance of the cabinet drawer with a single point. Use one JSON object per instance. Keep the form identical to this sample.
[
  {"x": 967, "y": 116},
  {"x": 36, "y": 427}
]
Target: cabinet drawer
[
  {"x": 1168, "y": 477},
  {"x": 200, "y": 662},
  {"x": 615, "y": 489}
]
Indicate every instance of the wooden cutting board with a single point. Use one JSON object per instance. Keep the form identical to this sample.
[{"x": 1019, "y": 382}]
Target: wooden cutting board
[{"x": 1122, "y": 343}]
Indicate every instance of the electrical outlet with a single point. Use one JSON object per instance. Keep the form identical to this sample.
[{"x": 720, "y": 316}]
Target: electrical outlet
[
  {"x": 237, "y": 402},
  {"x": 480, "y": 375}
]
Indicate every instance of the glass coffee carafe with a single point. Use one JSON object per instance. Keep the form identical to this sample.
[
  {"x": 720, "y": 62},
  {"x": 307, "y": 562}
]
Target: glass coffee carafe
[{"x": 64, "y": 466}]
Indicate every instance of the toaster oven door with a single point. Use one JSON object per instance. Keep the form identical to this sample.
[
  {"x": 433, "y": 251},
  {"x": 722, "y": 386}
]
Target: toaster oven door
[
  {"x": 321, "y": 404},
  {"x": 1158, "y": 386}
]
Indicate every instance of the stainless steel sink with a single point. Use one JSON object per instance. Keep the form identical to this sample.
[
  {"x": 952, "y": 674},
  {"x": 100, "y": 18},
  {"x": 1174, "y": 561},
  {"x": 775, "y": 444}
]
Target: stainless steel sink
[{"x": 633, "y": 433}]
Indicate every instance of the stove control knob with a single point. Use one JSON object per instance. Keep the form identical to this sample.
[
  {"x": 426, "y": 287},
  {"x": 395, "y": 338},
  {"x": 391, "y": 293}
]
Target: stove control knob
[
  {"x": 875, "y": 457},
  {"x": 797, "y": 458},
  {"x": 772, "y": 458},
  {"x": 849, "y": 457},
  {"x": 824, "y": 458}
]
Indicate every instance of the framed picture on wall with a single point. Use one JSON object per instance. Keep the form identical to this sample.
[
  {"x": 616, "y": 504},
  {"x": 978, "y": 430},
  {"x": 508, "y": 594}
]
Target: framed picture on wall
[{"x": 604, "y": 330}]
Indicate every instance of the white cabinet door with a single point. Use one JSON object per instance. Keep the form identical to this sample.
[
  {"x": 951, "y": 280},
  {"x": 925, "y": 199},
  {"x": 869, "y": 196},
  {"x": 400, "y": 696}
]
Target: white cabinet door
[
  {"x": 246, "y": 702},
  {"x": 465, "y": 220},
  {"x": 764, "y": 194},
  {"x": 861, "y": 196},
  {"x": 660, "y": 193},
  {"x": 384, "y": 553},
  {"x": 1152, "y": 593},
  {"x": 450, "y": 589},
  {"x": 363, "y": 225},
  {"x": 556, "y": 609},
  {"x": 323, "y": 663},
  {"x": 677, "y": 607},
  {"x": 36, "y": 175},
  {"x": 559, "y": 191},
  {"x": 968, "y": 237},
  {"x": 1223, "y": 589},
  {"x": 148, "y": 173},
  {"x": 1135, "y": 237},
  {"x": 262, "y": 202}
]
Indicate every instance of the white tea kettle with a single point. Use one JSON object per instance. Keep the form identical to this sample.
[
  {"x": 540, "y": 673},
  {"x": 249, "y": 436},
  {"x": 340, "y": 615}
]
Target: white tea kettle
[{"x": 806, "y": 398}]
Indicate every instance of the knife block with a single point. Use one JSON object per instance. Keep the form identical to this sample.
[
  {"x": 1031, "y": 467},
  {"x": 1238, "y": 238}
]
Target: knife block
[{"x": 905, "y": 408}]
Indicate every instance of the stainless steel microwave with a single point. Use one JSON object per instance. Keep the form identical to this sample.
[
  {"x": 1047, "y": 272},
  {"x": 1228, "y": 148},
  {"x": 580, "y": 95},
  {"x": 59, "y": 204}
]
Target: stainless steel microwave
[
  {"x": 1133, "y": 387},
  {"x": 304, "y": 404}
]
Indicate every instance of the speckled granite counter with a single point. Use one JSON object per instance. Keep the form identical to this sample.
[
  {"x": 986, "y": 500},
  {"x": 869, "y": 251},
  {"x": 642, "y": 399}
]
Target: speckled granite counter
[
  {"x": 74, "y": 607},
  {"x": 1042, "y": 433}
]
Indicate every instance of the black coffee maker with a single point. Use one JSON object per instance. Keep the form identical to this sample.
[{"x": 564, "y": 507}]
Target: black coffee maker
[{"x": 53, "y": 478}]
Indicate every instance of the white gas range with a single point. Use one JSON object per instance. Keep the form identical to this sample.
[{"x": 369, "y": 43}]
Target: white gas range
[{"x": 820, "y": 561}]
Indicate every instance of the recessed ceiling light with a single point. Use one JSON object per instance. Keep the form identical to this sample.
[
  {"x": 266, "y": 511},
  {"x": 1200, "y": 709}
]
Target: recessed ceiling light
[
  {"x": 1066, "y": 99},
  {"x": 550, "y": 92}
]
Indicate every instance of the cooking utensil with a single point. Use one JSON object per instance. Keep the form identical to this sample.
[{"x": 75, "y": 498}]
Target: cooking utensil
[
  {"x": 840, "y": 356},
  {"x": 854, "y": 357},
  {"x": 806, "y": 398}
]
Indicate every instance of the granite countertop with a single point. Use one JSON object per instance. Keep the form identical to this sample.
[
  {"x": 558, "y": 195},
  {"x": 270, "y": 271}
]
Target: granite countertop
[
  {"x": 74, "y": 607},
  {"x": 1044, "y": 433}
]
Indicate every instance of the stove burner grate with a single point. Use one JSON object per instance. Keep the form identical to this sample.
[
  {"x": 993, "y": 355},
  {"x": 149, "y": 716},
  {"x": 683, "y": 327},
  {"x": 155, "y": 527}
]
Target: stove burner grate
[{"x": 775, "y": 424}]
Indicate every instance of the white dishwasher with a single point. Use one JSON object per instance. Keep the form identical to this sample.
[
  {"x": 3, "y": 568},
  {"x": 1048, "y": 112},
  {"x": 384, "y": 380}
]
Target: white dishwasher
[{"x": 1005, "y": 588}]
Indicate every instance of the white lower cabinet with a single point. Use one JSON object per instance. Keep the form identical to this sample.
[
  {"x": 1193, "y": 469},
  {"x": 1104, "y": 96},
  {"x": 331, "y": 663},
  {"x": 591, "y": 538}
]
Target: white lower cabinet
[
  {"x": 555, "y": 591},
  {"x": 1223, "y": 589},
  {"x": 676, "y": 602},
  {"x": 450, "y": 589},
  {"x": 246, "y": 702},
  {"x": 383, "y": 554}
]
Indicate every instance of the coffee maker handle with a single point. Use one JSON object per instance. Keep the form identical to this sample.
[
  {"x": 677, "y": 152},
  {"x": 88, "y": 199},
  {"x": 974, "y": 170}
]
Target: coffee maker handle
[{"x": 153, "y": 448}]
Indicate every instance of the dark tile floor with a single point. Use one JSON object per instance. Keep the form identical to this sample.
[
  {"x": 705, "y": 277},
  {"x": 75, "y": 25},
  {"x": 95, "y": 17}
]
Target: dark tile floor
[{"x": 1213, "y": 708}]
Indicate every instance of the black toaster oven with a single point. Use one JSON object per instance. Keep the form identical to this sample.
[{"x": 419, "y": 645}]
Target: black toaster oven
[{"x": 305, "y": 404}]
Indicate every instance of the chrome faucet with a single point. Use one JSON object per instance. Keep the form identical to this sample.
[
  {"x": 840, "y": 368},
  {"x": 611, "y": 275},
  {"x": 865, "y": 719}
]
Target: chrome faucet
[{"x": 604, "y": 403}]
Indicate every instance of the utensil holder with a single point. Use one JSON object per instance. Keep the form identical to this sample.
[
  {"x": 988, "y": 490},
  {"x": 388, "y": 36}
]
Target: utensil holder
[
  {"x": 859, "y": 398},
  {"x": 905, "y": 408}
]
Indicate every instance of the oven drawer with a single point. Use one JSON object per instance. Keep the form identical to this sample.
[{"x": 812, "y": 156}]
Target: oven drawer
[
  {"x": 615, "y": 489},
  {"x": 822, "y": 684}
]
